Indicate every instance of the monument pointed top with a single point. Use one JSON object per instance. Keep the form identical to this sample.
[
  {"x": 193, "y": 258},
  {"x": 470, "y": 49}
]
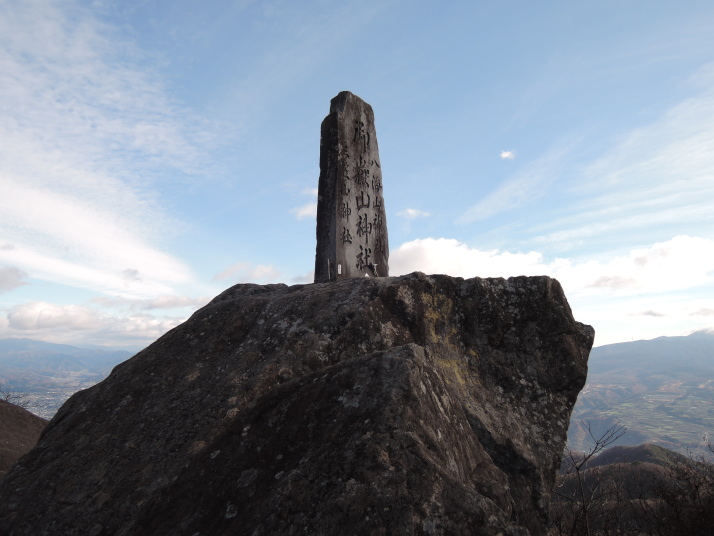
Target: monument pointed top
[{"x": 338, "y": 103}]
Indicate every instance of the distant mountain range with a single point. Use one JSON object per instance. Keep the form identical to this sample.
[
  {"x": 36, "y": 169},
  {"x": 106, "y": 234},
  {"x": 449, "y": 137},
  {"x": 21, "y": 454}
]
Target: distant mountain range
[
  {"x": 662, "y": 390},
  {"x": 46, "y": 374}
]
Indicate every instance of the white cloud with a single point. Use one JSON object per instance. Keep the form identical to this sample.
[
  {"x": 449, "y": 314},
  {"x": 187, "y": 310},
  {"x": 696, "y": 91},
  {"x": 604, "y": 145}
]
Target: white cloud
[
  {"x": 74, "y": 324},
  {"x": 308, "y": 210},
  {"x": 42, "y": 315},
  {"x": 507, "y": 155},
  {"x": 85, "y": 130},
  {"x": 413, "y": 213},
  {"x": 680, "y": 263},
  {"x": 449, "y": 256},
  {"x": 10, "y": 278},
  {"x": 245, "y": 272}
]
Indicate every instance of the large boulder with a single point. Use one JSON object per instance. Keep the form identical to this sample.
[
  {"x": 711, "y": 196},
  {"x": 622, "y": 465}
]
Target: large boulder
[{"x": 404, "y": 405}]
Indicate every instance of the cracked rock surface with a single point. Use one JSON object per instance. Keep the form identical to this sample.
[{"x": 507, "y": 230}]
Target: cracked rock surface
[{"x": 404, "y": 405}]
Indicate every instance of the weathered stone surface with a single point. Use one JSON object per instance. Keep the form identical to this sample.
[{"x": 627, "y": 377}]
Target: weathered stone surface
[
  {"x": 351, "y": 231},
  {"x": 411, "y": 405},
  {"x": 19, "y": 431}
]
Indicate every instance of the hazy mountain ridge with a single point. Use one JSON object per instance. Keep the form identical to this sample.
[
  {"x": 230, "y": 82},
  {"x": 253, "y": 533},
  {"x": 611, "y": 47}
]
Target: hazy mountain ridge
[
  {"x": 47, "y": 374},
  {"x": 662, "y": 390},
  {"x": 645, "y": 453}
]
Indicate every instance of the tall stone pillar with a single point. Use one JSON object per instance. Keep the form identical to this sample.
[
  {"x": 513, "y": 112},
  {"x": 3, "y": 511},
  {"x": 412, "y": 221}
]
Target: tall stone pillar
[{"x": 351, "y": 221}]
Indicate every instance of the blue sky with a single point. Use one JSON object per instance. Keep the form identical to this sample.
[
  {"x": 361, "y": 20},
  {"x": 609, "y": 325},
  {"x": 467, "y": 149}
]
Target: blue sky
[{"x": 155, "y": 153}]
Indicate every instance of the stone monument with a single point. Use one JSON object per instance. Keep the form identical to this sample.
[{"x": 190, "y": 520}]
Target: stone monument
[{"x": 351, "y": 221}]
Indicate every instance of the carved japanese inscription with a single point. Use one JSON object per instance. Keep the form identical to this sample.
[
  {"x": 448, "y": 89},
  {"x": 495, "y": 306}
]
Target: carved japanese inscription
[{"x": 352, "y": 236}]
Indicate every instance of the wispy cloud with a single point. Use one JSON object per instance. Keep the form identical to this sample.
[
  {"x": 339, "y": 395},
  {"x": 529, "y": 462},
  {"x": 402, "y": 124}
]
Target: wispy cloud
[
  {"x": 83, "y": 129},
  {"x": 413, "y": 213},
  {"x": 658, "y": 176},
  {"x": 507, "y": 155},
  {"x": 676, "y": 146},
  {"x": 308, "y": 210},
  {"x": 526, "y": 185}
]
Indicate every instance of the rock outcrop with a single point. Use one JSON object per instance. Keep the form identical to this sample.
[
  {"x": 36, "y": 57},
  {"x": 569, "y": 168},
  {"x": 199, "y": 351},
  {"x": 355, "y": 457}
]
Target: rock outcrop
[
  {"x": 404, "y": 405},
  {"x": 19, "y": 431}
]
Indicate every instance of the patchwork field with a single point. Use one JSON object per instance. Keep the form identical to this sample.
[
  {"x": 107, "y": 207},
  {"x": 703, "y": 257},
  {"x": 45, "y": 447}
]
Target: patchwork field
[{"x": 662, "y": 391}]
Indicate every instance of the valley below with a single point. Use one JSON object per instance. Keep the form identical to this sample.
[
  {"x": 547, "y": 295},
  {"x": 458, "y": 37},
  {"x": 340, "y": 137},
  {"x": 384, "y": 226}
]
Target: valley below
[{"x": 661, "y": 390}]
